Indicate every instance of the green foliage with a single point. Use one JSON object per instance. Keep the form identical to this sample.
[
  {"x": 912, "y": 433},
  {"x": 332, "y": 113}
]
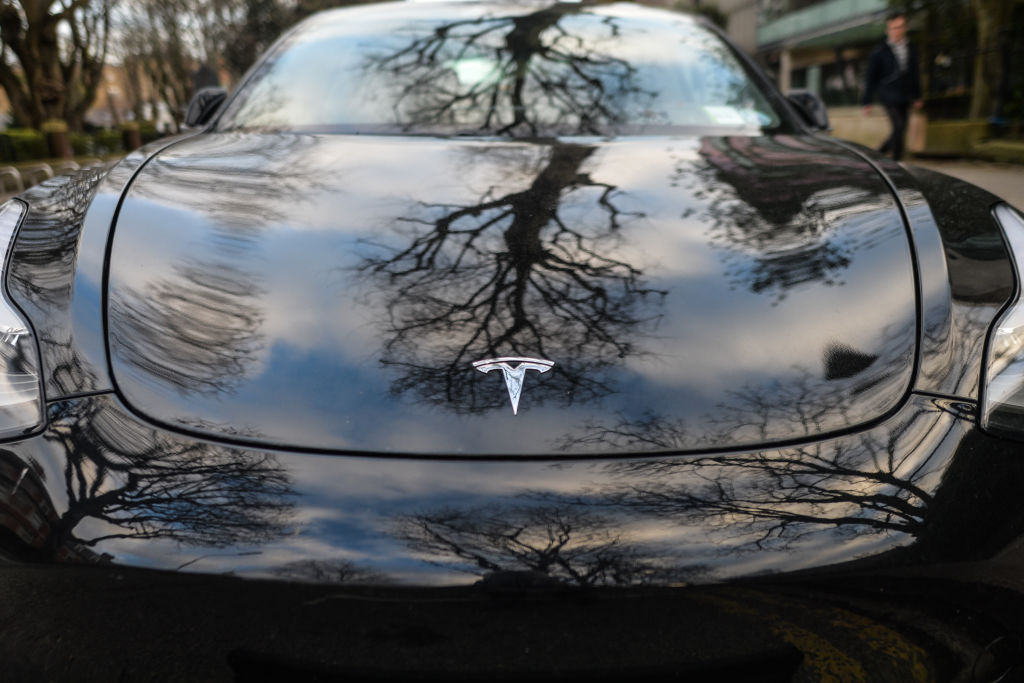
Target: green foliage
[
  {"x": 54, "y": 126},
  {"x": 107, "y": 142},
  {"x": 17, "y": 145},
  {"x": 22, "y": 144},
  {"x": 82, "y": 144},
  {"x": 149, "y": 132}
]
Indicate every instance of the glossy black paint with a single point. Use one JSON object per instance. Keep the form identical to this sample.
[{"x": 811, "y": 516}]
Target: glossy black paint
[
  {"x": 847, "y": 556},
  {"x": 964, "y": 273},
  {"x": 660, "y": 278},
  {"x": 112, "y": 481},
  {"x": 204, "y": 105},
  {"x": 56, "y": 272}
]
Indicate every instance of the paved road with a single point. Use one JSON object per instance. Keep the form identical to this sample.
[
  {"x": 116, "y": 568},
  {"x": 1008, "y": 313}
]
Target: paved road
[{"x": 1005, "y": 180}]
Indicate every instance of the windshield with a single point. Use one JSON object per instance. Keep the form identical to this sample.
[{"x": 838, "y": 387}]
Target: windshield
[{"x": 566, "y": 69}]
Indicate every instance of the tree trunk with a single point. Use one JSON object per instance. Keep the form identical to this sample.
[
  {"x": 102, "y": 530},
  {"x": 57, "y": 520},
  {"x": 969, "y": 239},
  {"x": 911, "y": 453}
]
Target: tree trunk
[
  {"x": 51, "y": 62},
  {"x": 991, "y": 15}
]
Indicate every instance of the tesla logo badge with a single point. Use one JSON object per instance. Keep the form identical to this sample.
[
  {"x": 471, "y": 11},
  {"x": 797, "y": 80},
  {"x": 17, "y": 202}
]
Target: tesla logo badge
[{"x": 513, "y": 375}]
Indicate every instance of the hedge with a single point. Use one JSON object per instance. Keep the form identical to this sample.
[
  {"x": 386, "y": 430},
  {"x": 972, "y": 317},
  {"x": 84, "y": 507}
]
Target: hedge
[
  {"x": 22, "y": 144},
  {"x": 107, "y": 142},
  {"x": 26, "y": 144}
]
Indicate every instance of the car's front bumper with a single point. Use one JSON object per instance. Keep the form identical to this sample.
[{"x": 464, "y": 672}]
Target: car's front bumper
[{"x": 888, "y": 554}]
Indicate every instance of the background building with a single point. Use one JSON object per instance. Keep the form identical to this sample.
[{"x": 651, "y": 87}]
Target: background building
[
  {"x": 820, "y": 45},
  {"x": 823, "y": 46}
]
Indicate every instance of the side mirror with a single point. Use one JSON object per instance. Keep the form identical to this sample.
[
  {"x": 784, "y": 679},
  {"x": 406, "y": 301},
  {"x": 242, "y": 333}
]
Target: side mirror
[
  {"x": 811, "y": 108},
  {"x": 204, "y": 103}
]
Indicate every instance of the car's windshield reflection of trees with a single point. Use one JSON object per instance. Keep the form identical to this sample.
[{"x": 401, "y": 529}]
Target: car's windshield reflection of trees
[
  {"x": 531, "y": 543},
  {"x": 773, "y": 244},
  {"x": 535, "y": 74},
  {"x": 140, "y": 483},
  {"x": 511, "y": 276}
]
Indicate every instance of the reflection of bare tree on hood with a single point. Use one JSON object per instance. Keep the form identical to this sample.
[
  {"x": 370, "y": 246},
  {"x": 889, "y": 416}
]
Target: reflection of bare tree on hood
[
  {"x": 535, "y": 72},
  {"x": 142, "y": 483},
  {"x": 574, "y": 546},
  {"x": 329, "y": 571},
  {"x": 875, "y": 483},
  {"x": 199, "y": 328},
  {"x": 800, "y": 404},
  {"x": 262, "y": 176},
  {"x": 509, "y": 276},
  {"x": 199, "y": 331},
  {"x": 42, "y": 272}
]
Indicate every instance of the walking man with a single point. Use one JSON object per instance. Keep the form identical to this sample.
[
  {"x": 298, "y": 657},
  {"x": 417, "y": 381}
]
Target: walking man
[{"x": 893, "y": 74}]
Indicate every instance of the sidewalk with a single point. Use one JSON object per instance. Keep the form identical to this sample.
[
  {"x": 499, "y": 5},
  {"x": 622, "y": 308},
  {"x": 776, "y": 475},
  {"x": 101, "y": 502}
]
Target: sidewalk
[{"x": 1004, "y": 180}]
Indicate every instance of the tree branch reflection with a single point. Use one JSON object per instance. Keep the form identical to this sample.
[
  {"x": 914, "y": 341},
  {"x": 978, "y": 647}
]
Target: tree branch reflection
[
  {"x": 252, "y": 181},
  {"x": 513, "y": 75},
  {"x": 562, "y": 543},
  {"x": 42, "y": 273},
  {"x": 142, "y": 483},
  {"x": 879, "y": 482},
  {"x": 513, "y": 275},
  {"x": 329, "y": 571},
  {"x": 198, "y": 332}
]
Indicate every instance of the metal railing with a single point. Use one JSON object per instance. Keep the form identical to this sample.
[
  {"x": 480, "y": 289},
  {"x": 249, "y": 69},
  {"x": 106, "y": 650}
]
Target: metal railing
[{"x": 15, "y": 180}]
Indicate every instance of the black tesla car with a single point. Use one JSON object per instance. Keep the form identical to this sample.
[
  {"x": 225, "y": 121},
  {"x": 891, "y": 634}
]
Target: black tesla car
[{"x": 510, "y": 342}]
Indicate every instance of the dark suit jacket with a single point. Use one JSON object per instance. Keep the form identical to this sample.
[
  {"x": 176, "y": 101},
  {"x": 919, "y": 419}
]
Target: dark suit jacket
[{"x": 895, "y": 88}]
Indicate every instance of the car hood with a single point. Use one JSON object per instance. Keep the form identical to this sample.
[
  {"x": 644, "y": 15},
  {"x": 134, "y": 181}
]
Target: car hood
[{"x": 334, "y": 292}]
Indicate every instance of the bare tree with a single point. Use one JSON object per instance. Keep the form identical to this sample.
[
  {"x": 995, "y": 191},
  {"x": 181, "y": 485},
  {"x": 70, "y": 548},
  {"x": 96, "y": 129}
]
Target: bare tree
[
  {"x": 166, "y": 42},
  {"x": 258, "y": 23},
  {"x": 52, "y": 55}
]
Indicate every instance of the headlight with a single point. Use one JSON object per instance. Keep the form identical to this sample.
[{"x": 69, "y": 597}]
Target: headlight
[
  {"x": 1002, "y": 397},
  {"x": 21, "y": 407}
]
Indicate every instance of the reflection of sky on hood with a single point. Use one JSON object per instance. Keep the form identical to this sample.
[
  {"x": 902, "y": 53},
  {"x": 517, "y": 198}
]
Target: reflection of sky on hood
[
  {"x": 347, "y": 509},
  {"x": 314, "y": 377}
]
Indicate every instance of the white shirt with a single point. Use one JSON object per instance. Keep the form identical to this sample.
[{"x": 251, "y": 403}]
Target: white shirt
[{"x": 900, "y": 50}]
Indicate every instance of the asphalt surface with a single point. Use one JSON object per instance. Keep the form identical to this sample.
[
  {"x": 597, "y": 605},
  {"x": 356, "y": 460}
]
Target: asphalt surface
[{"x": 1004, "y": 180}]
